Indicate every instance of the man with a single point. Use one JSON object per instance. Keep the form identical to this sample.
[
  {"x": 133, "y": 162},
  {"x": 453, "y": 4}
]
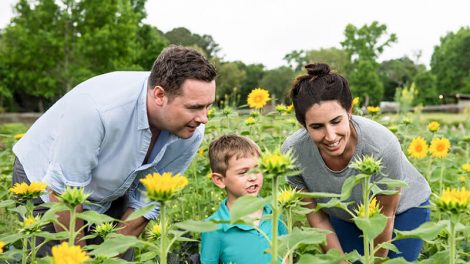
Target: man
[{"x": 115, "y": 128}]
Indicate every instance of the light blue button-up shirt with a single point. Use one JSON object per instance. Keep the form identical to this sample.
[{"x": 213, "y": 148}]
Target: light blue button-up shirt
[{"x": 97, "y": 137}]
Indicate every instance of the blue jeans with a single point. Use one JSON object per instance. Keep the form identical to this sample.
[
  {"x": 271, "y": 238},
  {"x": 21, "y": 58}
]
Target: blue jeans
[{"x": 350, "y": 236}]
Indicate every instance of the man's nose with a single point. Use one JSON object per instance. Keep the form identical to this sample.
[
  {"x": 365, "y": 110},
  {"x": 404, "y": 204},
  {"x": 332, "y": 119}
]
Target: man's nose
[{"x": 202, "y": 116}]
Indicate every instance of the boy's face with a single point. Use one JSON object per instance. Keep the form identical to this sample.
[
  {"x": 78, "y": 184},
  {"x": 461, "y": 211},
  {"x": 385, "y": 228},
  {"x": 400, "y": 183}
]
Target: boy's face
[{"x": 238, "y": 180}]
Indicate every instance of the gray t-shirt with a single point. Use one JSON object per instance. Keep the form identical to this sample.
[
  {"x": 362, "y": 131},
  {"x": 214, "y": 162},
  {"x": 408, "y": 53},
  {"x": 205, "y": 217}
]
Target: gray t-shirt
[{"x": 372, "y": 139}]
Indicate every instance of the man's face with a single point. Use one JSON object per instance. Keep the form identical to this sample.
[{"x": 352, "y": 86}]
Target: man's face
[{"x": 183, "y": 113}]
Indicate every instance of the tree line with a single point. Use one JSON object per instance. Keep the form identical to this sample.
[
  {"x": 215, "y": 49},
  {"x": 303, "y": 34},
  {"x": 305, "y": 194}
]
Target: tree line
[{"x": 50, "y": 46}]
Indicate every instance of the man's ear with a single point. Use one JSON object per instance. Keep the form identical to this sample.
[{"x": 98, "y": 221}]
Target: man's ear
[
  {"x": 218, "y": 179},
  {"x": 159, "y": 95}
]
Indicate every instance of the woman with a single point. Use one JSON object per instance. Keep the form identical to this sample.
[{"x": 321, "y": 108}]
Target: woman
[{"x": 332, "y": 138}]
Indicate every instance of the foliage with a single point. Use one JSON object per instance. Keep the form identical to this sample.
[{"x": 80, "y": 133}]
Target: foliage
[
  {"x": 363, "y": 46},
  {"x": 450, "y": 62},
  {"x": 396, "y": 73},
  {"x": 278, "y": 81},
  {"x": 182, "y": 36}
]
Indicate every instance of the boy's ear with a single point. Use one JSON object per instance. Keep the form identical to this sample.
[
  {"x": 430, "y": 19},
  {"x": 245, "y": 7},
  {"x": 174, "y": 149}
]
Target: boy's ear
[{"x": 218, "y": 179}]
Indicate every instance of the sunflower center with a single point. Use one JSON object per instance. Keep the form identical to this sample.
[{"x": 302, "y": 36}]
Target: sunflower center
[{"x": 419, "y": 148}]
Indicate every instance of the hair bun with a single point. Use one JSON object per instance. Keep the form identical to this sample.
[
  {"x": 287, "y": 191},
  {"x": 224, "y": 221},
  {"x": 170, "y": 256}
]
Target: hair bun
[{"x": 318, "y": 69}]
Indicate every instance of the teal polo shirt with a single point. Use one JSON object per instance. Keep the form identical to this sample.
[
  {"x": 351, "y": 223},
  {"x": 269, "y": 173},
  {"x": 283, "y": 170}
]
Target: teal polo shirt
[{"x": 237, "y": 244}]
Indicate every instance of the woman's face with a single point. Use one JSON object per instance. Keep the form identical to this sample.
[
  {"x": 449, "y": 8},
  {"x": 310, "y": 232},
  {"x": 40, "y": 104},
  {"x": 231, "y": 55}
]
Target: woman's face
[{"x": 327, "y": 124}]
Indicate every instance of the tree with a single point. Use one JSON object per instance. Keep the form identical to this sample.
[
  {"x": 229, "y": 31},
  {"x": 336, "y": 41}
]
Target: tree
[
  {"x": 31, "y": 54},
  {"x": 425, "y": 83},
  {"x": 396, "y": 73},
  {"x": 50, "y": 46},
  {"x": 363, "y": 46},
  {"x": 253, "y": 75},
  {"x": 230, "y": 76},
  {"x": 450, "y": 62},
  {"x": 336, "y": 58},
  {"x": 278, "y": 81},
  {"x": 182, "y": 36}
]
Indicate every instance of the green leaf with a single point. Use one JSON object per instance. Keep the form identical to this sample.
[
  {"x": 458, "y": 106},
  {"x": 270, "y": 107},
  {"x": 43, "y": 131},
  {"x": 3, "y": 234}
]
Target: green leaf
[
  {"x": 427, "y": 231},
  {"x": 115, "y": 245},
  {"x": 332, "y": 256},
  {"x": 54, "y": 236},
  {"x": 141, "y": 212},
  {"x": 349, "y": 185},
  {"x": 94, "y": 217},
  {"x": 392, "y": 183},
  {"x": 372, "y": 226},
  {"x": 11, "y": 238},
  {"x": 148, "y": 255},
  {"x": 246, "y": 205},
  {"x": 389, "y": 246},
  {"x": 307, "y": 236},
  {"x": 440, "y": 257},
  {"x": 7, "y": 203},
  {"x": 397, "y": 261},
  {"x": 316, "y": 195},
  {"x": 197, "y": 226}
]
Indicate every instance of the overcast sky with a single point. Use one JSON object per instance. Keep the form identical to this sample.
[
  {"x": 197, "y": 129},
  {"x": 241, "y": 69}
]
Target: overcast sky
[{"x": 263, "y": 31}]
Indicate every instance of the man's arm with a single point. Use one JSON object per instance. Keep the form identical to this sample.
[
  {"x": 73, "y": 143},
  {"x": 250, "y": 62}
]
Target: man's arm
[
  {"x": 64, "y": 219},
  {"x": 134, "y": 227}
]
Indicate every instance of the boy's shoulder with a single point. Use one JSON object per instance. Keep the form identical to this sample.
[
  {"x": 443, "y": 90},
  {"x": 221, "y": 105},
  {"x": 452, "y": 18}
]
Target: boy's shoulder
[{"x": 222, "y": 213}]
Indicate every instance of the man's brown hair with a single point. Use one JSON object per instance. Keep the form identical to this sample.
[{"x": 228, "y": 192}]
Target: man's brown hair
[{"x": 176, "y": 64}]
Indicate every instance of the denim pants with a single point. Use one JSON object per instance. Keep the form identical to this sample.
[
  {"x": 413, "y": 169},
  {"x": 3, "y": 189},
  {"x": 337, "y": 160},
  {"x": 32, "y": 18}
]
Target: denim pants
[
  {"x": 117, "y": 209},
  {"x": 350, "y": 236}
]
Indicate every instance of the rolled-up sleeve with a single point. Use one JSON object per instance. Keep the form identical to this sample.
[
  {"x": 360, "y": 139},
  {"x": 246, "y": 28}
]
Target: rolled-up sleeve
[{"x": 76, "y": 145}]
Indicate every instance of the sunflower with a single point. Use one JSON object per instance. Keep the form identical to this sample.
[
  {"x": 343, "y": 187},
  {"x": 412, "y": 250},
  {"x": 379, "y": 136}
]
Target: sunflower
[
  {"x": 433, "y": 126},
  {"x": 374, "y": 209},
  {"x": 355, "y": 102},
  {"x": 454, "y": 200},
  {"x": 418, "y": 148},
  {"x": 28, "y": 191},
  {"x": 250, "y": 121},
  {"x": 2, "y": 245},
  {"x": 19, "y": 136},
  {"x": 163, "y": 187},
  {"x": 288, "y": 197},
  {"x": 439, "y": 147},
  {"x": 274, "y": 164},
  {"x": 65, "y": 254},
  {"x": 373, "y": 109},
  {"x": 466, "y": 167},
  {"x": 257, "y": 98}
]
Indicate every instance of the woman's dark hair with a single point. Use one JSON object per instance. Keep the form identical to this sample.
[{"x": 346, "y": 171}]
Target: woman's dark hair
[{"x": 320, "y": 84}]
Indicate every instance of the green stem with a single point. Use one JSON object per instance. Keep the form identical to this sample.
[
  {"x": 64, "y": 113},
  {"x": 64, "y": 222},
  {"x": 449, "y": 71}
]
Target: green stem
[
  {"x": 441, "y": 177},
  {"x": 33, "y": 249},
  {"x": 365, "y": 199},
  {"x": 429, "y": 174},
  {"x": 72, "y": 227},
  {"x": 452, "y": 247},
  {"x": 163, "y": 237},
  {"x": 289, "y": 229},
  {"x": 24, "y": 258},
  {"x": 274, "y": 249}
]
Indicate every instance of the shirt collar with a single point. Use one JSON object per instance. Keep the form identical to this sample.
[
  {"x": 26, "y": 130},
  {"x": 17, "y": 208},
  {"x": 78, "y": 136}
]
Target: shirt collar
[
  {"x": 142, "y": 118},
  {"x": 224, "y": 214}
]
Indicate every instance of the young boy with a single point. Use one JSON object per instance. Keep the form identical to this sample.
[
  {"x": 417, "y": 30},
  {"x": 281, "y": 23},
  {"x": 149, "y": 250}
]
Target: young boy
[{"x": 232, "y": 158}]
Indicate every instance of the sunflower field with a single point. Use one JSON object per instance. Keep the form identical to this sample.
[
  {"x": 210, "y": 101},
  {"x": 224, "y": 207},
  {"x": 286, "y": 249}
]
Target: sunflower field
[{"x": 439, "y": 149}]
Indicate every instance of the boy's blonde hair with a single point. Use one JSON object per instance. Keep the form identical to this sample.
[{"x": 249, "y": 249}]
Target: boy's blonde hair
[{"x": 225, "y": 147}]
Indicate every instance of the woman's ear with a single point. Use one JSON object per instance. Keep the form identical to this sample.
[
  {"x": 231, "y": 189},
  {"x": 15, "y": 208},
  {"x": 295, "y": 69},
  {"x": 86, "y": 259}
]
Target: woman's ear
[{"x": 218, "y": 179}]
